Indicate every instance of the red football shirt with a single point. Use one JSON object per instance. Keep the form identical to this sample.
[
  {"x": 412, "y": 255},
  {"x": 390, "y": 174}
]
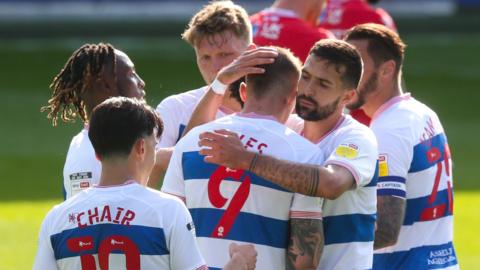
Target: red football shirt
[
  {"x": 283, "y": 28},
  {"x": 341, "y": 15}
]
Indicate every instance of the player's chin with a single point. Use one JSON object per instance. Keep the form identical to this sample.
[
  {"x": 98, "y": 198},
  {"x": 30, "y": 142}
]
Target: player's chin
[{"x": 304, "y": 113}]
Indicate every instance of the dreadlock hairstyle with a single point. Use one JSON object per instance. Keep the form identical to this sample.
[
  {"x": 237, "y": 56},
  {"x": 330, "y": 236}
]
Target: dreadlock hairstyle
[{"x": 85, "y": 66}]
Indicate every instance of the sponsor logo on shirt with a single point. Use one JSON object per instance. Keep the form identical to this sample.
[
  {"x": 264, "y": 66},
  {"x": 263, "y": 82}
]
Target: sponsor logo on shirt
[
  {"x": 349, "y": 151},
  {"x": 80, "y": 176},
  {"x": 382, "y": 165},
  {"x": 84, "y": 185}
]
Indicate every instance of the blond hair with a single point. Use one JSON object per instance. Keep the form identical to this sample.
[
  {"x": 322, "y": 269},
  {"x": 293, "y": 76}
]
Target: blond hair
[{"x": 216, "y": 18}]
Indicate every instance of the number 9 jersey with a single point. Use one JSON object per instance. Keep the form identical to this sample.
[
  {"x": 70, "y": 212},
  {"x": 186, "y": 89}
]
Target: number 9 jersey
[
  {"x": 415, "y": 164},
  {"x": 229, "y": 205},
  {"x": 118, "y": 227}
]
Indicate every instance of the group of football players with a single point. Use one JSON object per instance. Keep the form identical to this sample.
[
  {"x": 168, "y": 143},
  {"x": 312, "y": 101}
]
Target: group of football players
[{"x": 303, "y": 151}]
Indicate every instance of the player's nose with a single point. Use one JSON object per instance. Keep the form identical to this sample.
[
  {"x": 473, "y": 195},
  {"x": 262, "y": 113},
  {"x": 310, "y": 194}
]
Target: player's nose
[{"x": 141, "y": 83}]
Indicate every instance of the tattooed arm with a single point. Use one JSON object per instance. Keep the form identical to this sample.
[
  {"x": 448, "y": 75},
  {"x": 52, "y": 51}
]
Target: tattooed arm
[
  {"x": 306, "y": 243},
  {"x": 390, "y": 214},
  {"x": 225, "y": 148},
  {"x": 313, "y": 180}
]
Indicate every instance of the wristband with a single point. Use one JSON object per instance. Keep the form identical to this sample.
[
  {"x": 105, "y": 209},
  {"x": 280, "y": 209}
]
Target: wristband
[{"x": 218, "y": 87}]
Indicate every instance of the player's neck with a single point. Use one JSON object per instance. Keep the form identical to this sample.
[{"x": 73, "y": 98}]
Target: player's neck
[
  {"x": 117, "y": 171},
  {"x": 378, "y": 98},
  {"x": 231, "y": 103},
  {"x": 314, "y": 131},
  {"x": 262, "y": 108}
]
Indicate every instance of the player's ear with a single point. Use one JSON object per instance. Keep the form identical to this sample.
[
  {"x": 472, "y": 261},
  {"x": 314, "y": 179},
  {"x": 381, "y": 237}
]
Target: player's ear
[
  {"x": 139, "y": 149},
  {"x": 387, "y": 69},
  {"x": 243, "y": 91},
  {"x": 348, "y": 96}
]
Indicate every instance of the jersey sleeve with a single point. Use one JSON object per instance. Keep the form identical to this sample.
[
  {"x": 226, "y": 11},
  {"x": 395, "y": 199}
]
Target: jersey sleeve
[
  {"x": 173, "y": 182},
  {"x": 306, "y": 207},
  {"x": 358, "y": 154},
  {"x": 395, "y": 155},
  {"x": 168, "y": 112},
  {"x": 45, "y": 258},
  {"x": 184, "y": 251}
]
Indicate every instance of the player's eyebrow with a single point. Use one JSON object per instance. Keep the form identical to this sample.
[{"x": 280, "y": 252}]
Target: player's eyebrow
[
  {"x": 318, "y": 79},
  {"x": 323, "y": 80}
]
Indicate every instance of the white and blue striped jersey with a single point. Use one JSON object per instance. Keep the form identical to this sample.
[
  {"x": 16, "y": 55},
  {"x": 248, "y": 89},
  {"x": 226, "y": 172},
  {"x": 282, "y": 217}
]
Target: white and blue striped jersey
[
  {"x": 229, "y": 205},
  {"x": 415, "y": 164},
  {"x": 117, "y": 227},
  {"x": 349, "y": 220}
]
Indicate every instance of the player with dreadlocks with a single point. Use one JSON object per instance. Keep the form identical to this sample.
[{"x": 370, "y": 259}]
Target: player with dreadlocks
[{"x": 91, "y": 75}]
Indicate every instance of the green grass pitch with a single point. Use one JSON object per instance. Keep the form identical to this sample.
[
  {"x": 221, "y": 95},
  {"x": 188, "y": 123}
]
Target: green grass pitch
[{"x": 440, "y": 70}]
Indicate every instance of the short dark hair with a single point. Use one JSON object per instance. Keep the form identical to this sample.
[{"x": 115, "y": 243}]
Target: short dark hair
[
  {"x": 344, "y": 56},
  {"x": 281, "y": 75},
  {"x": 383, "y": 43},
  {"x": 118, "y": 122},
  {"x": 234, "y": 90}
]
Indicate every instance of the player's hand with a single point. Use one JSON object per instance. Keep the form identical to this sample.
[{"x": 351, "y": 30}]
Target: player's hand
[
  {"x": 224, "y": 148},
  {"x": 247, "y": 63},
  {"x": 244, "y": 256}
]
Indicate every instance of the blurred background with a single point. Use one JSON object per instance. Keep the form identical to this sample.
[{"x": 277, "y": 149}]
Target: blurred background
[{"x": 442, "y": 69}]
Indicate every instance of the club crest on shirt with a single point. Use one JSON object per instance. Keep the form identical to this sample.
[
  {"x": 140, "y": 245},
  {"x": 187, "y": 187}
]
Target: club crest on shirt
[
  {"x": 349, "y": 151},
  {"x": 382, "y": 165}
]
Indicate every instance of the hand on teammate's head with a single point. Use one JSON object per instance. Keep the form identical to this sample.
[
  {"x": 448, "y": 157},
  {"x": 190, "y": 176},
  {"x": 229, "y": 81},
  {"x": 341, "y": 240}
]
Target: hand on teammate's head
[{"x": 247, "y": 63}]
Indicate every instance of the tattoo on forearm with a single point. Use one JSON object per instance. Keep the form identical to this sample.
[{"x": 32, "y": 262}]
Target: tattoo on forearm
[
  {"x": 299, "y": 178},
  {"x": 306, "y": 244},
  {"x": 390, "y": 215}
]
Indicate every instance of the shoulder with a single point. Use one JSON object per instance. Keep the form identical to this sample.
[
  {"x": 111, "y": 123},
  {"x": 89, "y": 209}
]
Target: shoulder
[
  {"x": 57, "y": 218},
  {"x": 183, "y": 99},
  {"x": 297, "y": 142},
  {"x": 351, "y": 139},
  {"x": 165, "y": 205},
  {"x": 80, "y": 138},
  {"x": 356, "y": 130},
  {"x": 404, "y": 115},
  {"x": 189, "y": 142},
  {"x": 158, "y": 198}
]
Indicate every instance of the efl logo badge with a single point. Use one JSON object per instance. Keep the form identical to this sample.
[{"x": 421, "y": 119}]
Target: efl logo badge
[
  {"x": 349, "y": 151},
  {"x": 382, "y": 165}
]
